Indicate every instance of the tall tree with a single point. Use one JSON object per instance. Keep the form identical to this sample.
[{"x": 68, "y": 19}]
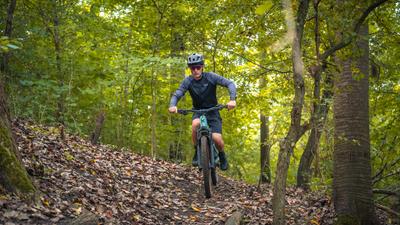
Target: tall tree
[
  {"x": 317, "y": 122},
  {"x": 352, "y": 185},
  {"x": 50, "y": 12},
  {"x": 7, "y": 32},
  {"x": 13, "y": 176},
  {"x": 318, "y": 113},
  {"x": 296, "y": 130},
  {"x": 94, "y": 137},
  {"x": 176, "y": 152},
  {"x": 265, "y": 147},
  {"x": 58, "y": 48},
  {"x": 320, "y": 105}
]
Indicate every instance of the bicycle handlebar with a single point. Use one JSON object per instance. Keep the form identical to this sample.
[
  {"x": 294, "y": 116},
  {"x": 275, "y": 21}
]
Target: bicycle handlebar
[{"x": 186, "y": 111}]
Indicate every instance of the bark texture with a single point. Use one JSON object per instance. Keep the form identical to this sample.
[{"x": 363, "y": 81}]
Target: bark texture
[
  {"x": 265, "y": 175},
  {"x": 318, "y": 118},
  {"x": 58, "y": 52},
  {"x": 176, "y": 148},
  {"x": 352, "y": 185},
  {"x": 8, "y": 32},
  {"x": 295, "y": 130},
  {"x": 13, "y": 176},
  {"x": 94, "y": 139}
]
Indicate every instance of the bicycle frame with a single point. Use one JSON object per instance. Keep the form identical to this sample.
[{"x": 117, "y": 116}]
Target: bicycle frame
[
  {"x": 207, "y": 163},
  {"x": 204, "y": 130}
]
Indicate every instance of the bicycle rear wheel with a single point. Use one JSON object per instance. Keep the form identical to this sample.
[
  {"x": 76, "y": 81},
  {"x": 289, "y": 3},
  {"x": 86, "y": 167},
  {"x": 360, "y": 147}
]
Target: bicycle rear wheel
[{"x": 205, "y": 165}]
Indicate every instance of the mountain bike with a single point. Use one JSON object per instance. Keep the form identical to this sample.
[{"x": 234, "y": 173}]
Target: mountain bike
[{"x": 207, "y": 153}]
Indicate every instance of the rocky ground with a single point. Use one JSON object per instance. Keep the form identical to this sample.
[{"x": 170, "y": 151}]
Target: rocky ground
[{"x": 84, "y": 183}]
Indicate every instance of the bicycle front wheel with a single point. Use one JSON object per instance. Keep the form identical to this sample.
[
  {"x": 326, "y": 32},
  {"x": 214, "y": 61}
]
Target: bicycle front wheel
[
  {"x": 214, "y": 176},
  {"x": 205, "y": 165}
]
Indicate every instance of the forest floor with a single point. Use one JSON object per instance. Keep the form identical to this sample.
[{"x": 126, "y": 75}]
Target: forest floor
[{"x": 101, "y": 185}]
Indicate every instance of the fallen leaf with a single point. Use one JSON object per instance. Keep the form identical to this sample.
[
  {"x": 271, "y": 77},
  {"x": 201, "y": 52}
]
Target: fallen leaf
[
  {"x": 136, "y": 218},
  {"x": 195, "y": 208}
]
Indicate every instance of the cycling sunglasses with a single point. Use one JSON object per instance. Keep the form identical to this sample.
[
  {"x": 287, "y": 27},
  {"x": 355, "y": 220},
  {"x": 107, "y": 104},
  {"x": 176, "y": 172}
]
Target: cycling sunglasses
[{"x": 195, "y": 67}]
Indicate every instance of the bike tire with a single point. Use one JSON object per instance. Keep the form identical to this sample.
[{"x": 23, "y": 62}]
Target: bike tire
[
  {"x": 205, "y": 165},
  {"x": 214, "y": 176}
]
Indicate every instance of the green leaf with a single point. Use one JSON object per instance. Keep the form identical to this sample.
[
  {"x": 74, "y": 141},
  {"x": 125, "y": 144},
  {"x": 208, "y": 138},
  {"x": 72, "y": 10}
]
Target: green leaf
[
  {"x": 264, "y": 7},
  {"x": 26, "y": 82},
  {"x": 12, "y": 46}
]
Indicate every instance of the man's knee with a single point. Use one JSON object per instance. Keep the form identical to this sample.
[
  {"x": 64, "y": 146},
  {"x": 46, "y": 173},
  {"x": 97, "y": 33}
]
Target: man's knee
[
  {"x": 218, "y": 140},
  {"x": 195, "y": 124}
]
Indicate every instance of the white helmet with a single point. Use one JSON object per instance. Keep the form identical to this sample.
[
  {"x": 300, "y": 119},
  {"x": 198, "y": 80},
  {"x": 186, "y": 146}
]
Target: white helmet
[{"x": 195, "y": 59}]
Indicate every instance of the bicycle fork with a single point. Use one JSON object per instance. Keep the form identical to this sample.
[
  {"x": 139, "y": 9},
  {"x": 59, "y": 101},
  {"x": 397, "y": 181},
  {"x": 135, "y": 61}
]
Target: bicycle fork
[{"x": 214, "y": 159}]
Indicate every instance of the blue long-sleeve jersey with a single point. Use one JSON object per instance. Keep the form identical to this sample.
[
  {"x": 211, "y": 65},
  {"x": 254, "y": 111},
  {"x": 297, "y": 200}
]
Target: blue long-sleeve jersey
[{"x": 203, "y": 91}]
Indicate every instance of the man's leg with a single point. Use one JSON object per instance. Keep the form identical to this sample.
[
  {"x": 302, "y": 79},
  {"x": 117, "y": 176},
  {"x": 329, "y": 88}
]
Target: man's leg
[
  {"x": 195, "y": 126},
  {"x": 217, "y": 138},
  {"x": 219, "y": 142}
]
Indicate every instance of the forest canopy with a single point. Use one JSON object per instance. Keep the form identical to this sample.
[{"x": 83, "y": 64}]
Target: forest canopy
[{"x": 107, "y": 69}]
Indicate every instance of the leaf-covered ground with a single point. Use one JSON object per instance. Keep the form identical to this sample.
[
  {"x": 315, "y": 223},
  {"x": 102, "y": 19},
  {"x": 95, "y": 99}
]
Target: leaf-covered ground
[{"x": 79, "y": 180}]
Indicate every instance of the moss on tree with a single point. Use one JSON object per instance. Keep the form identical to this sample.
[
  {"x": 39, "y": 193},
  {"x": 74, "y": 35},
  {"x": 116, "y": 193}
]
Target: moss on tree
[{"x": 13, "y": 176}]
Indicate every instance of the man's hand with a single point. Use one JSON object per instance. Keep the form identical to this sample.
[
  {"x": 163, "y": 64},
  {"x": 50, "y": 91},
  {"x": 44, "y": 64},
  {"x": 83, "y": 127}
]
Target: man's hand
[
  {"x": 231, "y": 104},
  {"x": 173, "y": 109}
]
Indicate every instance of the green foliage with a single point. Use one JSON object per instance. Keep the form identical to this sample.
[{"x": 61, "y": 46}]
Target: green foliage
[
  {"x": 127, "y": 58},
  {"x": 7, "y": 44},
  {"x": 264, "y": 7}
]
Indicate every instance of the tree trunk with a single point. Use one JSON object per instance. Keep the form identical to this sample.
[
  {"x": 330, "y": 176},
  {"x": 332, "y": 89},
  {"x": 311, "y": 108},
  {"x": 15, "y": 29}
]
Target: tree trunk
[
  {"x": 13, "y": 176},
  {"x": 97, "y": 130},
  {"x": 265, "y": 144},
  {"x": 57, "y": 47},
  {"x": 176, "y": 152},
  {"x": 304, "y": 170},
  {"x": 352, "y": 185},
  {"x": 265, "y": 175},
  {"x": 153, "y": 115},
  {"x": 4, "y": 70},
  {"x": 318, "y": 118},
  {"x": 295, "y": 130},
  {"x": 7, "y": 32}
]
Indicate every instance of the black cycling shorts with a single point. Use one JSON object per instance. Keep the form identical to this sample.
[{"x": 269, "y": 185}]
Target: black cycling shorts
[{"x": 214, "y": 121}]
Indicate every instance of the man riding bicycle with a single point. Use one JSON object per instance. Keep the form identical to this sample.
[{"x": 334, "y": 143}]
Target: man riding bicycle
[{"x": 202, "y": 88}]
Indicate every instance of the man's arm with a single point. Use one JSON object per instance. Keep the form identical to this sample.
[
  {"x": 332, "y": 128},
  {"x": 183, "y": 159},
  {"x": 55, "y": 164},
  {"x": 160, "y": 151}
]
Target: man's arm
[
  {"x": 226, "y": 83},
  {"x": 178, "y": 94}
]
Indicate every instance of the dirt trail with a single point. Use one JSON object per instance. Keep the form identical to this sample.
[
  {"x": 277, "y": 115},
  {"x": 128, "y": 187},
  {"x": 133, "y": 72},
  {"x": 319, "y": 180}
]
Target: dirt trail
[{"x": 107, "y": 186}]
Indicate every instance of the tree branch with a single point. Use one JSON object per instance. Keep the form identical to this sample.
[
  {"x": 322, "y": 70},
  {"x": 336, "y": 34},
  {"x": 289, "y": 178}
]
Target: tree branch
[
  {"x": 249, "y": 60},
  {"x": 376, "y": 178},
  {"x": 389, "y": 175},
  {"x": 346, "y": 41},
  {"x": 304, "y": 128},
  {"x": 386, "y": 209},
  {"x": 386, "y": 192},
  {"x": 158, "y": 8}
]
